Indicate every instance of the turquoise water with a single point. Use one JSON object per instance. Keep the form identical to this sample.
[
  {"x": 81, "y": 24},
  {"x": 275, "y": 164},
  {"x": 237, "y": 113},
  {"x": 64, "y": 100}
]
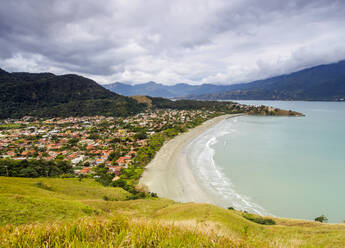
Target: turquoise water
[{"x": 283, "y": 166}]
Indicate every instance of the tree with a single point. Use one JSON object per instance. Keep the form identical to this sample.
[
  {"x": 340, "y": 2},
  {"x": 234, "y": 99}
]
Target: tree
[
  {"x": 103, "y": 175},
  {"x": 321, "y": 219},
  {"x": 140, "y": 135},
  {"x": 28, "y": 172},
  {"x": 34, "y": 168},
  {"x": 73, "y": 142},
  {"x": 114, "y": 155}
]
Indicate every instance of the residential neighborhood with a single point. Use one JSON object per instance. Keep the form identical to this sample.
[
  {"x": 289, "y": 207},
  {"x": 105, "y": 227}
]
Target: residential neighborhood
[{"x": 88, "y": 142}]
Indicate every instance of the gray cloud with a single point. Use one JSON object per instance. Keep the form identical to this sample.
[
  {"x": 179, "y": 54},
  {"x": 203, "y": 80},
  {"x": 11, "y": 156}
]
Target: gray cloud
[{"x": 195, "y": 41}]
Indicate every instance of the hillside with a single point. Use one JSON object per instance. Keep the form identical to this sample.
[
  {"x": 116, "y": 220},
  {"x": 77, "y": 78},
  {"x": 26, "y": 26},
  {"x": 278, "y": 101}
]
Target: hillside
[
  {"x": 320, "y": 83},
  {"x": 324, "y": 82},
  {"x": 45, "y": 94},
  {"x": 68, "y": 212}
]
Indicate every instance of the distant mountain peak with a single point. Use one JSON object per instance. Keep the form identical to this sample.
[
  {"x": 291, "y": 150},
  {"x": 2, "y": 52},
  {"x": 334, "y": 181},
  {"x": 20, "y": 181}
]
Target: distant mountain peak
[{"x": 150, "y": 83}]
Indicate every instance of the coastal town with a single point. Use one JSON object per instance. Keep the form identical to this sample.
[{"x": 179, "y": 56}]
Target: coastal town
[
  {"x": 102, "y": 147},
  {"x": 88, "y": 142}
]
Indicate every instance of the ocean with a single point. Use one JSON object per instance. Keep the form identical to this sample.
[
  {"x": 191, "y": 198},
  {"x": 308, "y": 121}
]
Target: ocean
[{"x": 282, "y": 166}]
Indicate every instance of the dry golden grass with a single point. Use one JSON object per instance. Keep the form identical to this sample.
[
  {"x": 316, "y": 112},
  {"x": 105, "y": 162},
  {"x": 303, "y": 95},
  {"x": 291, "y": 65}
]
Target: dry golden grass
[
  {"x": 69, "y": 213},
  {"x": 143, "y": 99}
]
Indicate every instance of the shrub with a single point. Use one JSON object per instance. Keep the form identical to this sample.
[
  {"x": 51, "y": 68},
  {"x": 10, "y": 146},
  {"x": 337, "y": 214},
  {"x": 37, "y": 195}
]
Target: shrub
[
  {"x": 154, "y": 195},
  {"x": 67, "y": 175},
  {"x": 43, "y": 186},
  {"x": 137, "y": 195},
  {"x": 321, "y": 219},
  {"x": 259, "y": 220}
]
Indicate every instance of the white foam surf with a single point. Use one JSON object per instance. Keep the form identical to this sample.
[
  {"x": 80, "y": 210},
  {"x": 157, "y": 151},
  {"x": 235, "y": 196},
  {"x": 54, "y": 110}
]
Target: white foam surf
[{"x": 200, "y": 155}]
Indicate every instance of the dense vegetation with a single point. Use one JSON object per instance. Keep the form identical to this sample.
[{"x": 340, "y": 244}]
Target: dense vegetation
[
  {"x": 50, "y": 212},
  {"x": 163, "y": 103},
  {"x": 34, "y": 168},
  {"x": 325, "y": 82},
  {"x": 47, "y": 95}
]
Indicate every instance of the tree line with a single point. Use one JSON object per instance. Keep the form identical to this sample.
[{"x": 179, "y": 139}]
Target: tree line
[{"x": 34, "y": 168}]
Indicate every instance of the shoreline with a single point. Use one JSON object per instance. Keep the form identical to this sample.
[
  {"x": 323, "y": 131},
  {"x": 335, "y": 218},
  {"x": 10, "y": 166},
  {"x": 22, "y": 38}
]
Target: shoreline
[{"x": 169, "y": 175}]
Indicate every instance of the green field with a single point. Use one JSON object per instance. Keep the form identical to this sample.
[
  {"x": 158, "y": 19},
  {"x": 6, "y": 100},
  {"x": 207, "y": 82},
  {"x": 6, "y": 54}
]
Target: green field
[{"x": 71, "y": 213}]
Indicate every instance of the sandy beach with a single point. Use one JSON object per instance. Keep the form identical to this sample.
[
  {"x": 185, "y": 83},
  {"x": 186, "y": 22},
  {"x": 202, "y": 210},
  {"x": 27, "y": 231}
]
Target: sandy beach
[{"x": 169, "y": 175}]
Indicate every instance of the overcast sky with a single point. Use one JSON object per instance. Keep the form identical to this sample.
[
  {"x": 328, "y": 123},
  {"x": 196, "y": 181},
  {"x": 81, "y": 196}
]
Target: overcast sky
[{"x": 192, "y": 41}]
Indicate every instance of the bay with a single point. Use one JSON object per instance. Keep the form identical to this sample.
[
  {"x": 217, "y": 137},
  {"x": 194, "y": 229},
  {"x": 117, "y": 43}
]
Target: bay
[{"x": 282, "y": 166}]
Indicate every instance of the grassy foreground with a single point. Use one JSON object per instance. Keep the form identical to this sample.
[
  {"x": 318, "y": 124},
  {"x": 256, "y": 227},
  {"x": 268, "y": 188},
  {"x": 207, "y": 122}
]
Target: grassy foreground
[{"x": 68, "y": 213}]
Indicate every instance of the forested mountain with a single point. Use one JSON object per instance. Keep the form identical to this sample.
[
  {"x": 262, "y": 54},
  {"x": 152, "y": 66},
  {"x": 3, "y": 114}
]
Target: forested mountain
[
  {"x": 320, "y": 83},
  {"x": 46, "y": 95},
  {"x": 324, "y": 82}
]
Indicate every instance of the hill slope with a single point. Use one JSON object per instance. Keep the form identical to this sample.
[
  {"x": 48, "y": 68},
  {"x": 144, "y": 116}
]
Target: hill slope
[
  {"x": 320, "y": 83},
  {"x": 45, "y": 94},
  {"x": 67, "y": 212},
  {"x": 324, "y": 82}
]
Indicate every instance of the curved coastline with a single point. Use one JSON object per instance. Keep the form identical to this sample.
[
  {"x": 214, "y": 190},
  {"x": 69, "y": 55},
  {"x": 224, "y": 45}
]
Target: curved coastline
[{"x": 169, "y": 175}]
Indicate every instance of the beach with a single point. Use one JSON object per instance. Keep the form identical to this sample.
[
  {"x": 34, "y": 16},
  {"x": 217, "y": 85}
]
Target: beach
[{"x": 169, "y": 175}]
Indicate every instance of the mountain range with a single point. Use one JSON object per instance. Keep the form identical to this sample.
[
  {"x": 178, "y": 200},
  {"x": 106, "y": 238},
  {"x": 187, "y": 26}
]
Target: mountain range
[
  {"x": 159, "y": 90},
  {"x": 49, "y": 95},
  {"x": 323, "y": 83}
]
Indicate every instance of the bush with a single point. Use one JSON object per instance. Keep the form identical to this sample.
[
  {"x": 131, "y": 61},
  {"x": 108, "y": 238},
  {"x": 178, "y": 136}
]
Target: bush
[
  {"x": 67, "y": 175},
  {"x": 231, "y": 208},
  {"x": 259, "y": 220},
  {"x": 321, "y": 219},
  {"x": 140, "y": 135},
  {"x": 43, "y": 186},
  {"x": 138, "y": 195},
  {"x": 154, "y": 195}
]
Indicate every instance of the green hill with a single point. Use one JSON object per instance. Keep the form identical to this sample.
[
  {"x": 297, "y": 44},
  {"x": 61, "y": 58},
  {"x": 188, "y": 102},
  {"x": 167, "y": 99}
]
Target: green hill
[
  {"x": 71, "y": 213},
  {"x": 48, "y": 95}
]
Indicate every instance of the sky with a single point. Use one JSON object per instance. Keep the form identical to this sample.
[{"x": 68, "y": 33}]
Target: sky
[{"x": 175, "y": 41}]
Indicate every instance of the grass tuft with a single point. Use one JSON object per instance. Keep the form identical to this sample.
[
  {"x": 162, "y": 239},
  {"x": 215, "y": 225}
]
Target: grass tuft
[{"x": 43, "y": 186}]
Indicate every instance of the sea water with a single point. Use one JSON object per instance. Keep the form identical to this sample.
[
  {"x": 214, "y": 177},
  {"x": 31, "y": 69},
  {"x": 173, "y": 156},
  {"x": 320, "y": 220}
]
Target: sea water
[{"x": 281, "y": 166}]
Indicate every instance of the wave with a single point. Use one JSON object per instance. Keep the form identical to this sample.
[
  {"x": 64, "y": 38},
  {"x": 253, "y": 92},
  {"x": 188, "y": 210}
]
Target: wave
[{"x": 210, "y": 176}]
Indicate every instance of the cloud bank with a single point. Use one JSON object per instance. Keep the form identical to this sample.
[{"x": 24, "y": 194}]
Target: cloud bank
[{"x": 194, "y": 41}]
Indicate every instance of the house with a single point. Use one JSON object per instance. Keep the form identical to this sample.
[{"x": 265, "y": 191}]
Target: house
[
  {"x": 115, "y": 169},
  {"x": 85, "y": 170},
  {"x": 89, "y": 147},
  {"x": 123, "y": 161},
  {"x": 11, "y": 153},
  {"x": 78, "y": 159},
  {"x": 99, "y": 161},
  {"x": 132, "y": 153}
]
